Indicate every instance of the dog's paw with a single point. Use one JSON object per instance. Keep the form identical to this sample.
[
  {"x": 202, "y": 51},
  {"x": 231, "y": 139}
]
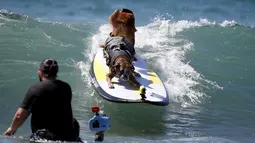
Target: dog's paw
[{"x": 111, "y": 86}]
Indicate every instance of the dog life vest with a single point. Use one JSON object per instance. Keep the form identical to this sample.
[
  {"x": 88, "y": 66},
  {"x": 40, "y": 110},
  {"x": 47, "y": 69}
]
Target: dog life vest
[{"x": 117, "y": 46}]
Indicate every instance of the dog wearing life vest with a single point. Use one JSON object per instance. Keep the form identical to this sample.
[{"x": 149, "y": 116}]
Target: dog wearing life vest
[{"x": 119, "y": 48}]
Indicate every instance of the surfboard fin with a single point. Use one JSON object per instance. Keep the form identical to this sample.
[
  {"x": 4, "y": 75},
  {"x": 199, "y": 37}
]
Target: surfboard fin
[{"x": 142, "y": 92}]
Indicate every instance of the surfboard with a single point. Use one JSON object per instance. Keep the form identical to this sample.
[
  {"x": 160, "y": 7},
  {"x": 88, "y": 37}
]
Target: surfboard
[{"x": 125, "y": 92}]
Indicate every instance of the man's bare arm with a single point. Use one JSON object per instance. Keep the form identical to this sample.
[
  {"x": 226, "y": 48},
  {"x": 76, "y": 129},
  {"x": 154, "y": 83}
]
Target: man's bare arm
[{"x": 18, "y": 119}]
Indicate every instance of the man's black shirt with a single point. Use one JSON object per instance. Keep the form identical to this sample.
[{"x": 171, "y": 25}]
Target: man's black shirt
[{"x": 49, "y": 102}]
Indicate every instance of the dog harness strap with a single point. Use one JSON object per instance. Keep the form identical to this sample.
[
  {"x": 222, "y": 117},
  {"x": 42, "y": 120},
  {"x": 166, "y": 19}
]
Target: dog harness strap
[
  {"x": 117, "y": 53},
  {"x": 123, "y": 47},
  {"x": 116, "y": 46}
]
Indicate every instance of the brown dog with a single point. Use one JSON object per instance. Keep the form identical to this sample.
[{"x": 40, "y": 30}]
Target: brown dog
[
  {"x": 124, "y": 70},
  {"x": 123, "y": 24},
  {"x": 119, "y": 47}
]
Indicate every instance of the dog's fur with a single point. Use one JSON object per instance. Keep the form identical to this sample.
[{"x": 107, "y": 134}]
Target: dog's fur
[
  {"x": 122, "y": 63},
  {"x": 122, "y": 28}
]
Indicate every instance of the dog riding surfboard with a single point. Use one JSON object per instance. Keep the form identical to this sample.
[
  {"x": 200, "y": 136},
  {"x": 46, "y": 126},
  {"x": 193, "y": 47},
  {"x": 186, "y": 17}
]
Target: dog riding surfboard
[
  {"x": 126, "y": 92},
  {"x": 118, "y": 73}
]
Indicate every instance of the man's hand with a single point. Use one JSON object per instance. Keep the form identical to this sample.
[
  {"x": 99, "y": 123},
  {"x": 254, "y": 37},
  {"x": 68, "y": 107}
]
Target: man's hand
[
  {"x": 9, "y": 132},
  {"x": 18, "y": 119}
]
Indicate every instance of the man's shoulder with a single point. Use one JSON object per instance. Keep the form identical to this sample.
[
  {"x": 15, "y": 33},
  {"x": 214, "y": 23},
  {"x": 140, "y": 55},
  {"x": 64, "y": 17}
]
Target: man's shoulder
[
  {"x": 63, "y": 83},
  {"x": 46, "y": 83},
  {"x": 35, "y": 88},
  {"x": 36, "y": 85}
]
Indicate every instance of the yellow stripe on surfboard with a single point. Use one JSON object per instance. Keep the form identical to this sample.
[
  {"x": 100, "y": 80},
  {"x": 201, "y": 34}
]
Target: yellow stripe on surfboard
[
  {"x": 100, "y": 72},
  {"x": 153, "y": 77}
]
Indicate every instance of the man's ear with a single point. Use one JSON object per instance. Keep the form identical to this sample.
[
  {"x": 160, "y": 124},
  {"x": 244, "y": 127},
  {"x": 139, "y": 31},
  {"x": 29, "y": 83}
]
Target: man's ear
[{"x": 39, "y": 73}]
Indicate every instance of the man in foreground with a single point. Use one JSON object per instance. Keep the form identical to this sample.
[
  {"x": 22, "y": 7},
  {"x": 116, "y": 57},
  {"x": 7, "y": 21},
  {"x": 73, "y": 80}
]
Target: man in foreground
[{"x": 49, "y": 102}]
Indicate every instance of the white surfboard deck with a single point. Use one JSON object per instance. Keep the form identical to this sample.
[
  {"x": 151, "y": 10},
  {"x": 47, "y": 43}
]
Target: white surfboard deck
[{"x": 124, "y": 91}]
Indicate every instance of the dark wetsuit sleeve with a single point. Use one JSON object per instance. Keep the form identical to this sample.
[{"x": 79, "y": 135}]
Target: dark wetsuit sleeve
[
  {"x": 69, "y": 89},
  {"x": 29, "y": 100},
  {"x": 71, "y": 95}
]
